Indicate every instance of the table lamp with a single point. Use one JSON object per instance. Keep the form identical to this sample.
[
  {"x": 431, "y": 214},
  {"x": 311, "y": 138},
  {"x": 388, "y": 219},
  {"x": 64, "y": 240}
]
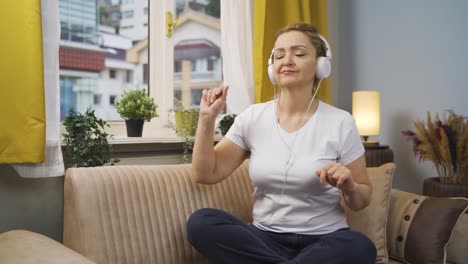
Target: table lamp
[{"x": 366, "y": 113}]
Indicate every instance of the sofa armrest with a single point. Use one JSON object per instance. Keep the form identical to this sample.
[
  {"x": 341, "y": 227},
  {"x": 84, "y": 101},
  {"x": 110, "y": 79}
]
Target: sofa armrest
[{"x": 25, "y": 247}]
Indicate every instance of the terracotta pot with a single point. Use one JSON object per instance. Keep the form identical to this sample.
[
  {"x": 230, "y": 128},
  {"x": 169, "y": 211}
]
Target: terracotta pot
[{"x": 433, "y": 187}]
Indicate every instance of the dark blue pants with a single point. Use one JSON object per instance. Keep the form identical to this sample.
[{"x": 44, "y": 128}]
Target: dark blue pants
[{"x": 224, "y": 239}]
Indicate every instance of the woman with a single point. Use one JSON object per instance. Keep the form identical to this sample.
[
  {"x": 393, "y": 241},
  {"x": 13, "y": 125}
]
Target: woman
[{"x": 304, "y": 154}]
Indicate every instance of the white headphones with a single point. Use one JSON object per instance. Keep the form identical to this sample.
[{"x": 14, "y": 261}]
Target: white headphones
[{"x": 322, "y": 70}]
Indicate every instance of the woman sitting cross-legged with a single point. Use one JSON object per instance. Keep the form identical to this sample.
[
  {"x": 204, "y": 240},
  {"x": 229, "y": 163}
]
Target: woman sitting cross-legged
[{"x": 304, "y": 155}]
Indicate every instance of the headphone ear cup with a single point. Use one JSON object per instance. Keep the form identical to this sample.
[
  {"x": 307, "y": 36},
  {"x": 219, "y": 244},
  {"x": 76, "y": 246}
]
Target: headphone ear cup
[
  {"x": 323, "y": 68},
  {"x": 271, "y": 74}
]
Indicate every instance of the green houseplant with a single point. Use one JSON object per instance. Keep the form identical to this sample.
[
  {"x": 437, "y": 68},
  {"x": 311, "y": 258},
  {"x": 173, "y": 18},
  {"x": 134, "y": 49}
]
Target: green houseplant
[
  {"x": 87, "y": 143},
  {"x": 226, "y": 123},
  {"x": 136, "y": 107},
  {"x": 444, "y": 142}
]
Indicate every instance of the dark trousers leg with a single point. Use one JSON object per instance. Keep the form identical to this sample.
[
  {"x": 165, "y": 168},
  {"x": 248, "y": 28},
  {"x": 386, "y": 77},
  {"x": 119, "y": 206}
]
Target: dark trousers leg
[
  {"x": 340, "y": 247},
  {"x": 223, "y": 238}
]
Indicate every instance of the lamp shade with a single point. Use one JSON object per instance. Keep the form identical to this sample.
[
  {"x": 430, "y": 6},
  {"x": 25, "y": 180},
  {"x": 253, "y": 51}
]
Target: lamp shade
[{"x": 366, "y": 112}]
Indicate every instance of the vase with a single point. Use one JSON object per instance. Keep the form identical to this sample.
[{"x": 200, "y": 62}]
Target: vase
[
  {"x": 186, "y": 122},
  {"x": 435, "y": 188},
  {"x": 134, "y": 127}
]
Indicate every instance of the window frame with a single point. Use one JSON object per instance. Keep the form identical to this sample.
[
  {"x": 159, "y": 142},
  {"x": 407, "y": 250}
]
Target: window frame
[{"x": 160, "y": 65}]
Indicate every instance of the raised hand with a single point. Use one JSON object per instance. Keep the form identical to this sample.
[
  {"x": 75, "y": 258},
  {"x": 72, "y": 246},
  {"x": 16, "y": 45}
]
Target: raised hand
[
  {"x": 213, "y": 101},
  {"x": 337, "y": 175}
]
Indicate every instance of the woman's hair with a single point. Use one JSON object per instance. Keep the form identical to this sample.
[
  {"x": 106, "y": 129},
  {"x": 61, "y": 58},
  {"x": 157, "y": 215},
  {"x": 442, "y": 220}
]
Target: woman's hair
[{"x": 310, "y": 31}]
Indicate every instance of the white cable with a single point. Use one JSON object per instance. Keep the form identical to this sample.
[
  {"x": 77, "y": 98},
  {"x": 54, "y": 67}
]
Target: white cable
[{"x": 291, "y": 149}]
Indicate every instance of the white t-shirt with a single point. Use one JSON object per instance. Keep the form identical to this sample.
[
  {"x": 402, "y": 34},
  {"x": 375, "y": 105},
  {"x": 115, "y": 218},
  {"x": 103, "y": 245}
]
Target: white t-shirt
[{"x": 288, "y": 195}]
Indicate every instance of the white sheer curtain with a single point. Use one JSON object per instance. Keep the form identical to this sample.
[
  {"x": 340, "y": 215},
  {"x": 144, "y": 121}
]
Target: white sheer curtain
[
  {"x": 236, "y": 42},
  {"x": 53, "y": 165}
]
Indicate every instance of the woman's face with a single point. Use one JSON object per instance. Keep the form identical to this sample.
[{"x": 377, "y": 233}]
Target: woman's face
[{"x": 294, "y": 60}]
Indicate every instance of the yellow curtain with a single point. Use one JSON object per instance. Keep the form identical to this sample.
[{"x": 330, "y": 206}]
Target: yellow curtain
[
  {"x": 269, "y": 17},
  {"x": 22, "y": 109}
]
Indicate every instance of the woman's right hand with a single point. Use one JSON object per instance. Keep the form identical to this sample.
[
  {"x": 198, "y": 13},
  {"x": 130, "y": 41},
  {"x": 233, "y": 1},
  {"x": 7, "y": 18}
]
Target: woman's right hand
[{"x": 213, "y": 101}]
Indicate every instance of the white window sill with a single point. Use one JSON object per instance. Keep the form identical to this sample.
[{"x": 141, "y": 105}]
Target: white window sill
[
  {"x": 156, "y": 138},
  {"x": 149, "y": 144}
]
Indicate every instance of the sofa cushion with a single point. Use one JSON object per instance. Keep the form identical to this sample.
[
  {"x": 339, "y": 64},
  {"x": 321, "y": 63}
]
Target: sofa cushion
[
  {"x": 372, "y": 220},
  {"x": 456, "y": 249},
  {"x": 420, "y": 227}
]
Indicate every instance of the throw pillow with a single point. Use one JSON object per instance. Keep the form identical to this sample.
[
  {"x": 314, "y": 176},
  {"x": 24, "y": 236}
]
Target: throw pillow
[
  {"x": 421, "y": 227},
  {"x": 372, "y": 220}
]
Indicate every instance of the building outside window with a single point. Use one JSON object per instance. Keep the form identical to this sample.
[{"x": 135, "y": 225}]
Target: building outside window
[{"x": 114, "y": 47}]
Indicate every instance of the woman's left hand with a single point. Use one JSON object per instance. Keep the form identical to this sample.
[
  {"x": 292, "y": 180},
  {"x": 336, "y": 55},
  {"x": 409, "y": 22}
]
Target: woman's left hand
[{"x": 339, "y": 176}]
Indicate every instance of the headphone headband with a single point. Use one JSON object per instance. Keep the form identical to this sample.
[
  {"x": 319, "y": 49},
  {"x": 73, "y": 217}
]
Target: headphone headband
[{"x": 328, "y": 53}]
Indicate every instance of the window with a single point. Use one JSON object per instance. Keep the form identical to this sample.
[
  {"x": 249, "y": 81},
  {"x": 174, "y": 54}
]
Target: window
[
  {"x": 112, "y": 99},
  {"x": 127, "y": 14},
  {"x": 97, "y": 99},
  {"x": 196, "y": 96},
  {"x": 78, "y": 21},
  {"x": 177, "y": 66},
  {"x": 210, "y": 66},
  {"x": 145, "y": 73},
  {"x": 76, "y": 89},
  {"x": 193, "y": 63},
  {"x": 112, "y": 74},
  {"x": 127, "y": 27},
  {"x": 178, "y": 95},
  {"x": 109, "y": 52},
  {"x": 128, "y": 76},
  {"x": 115, "y": 15}
]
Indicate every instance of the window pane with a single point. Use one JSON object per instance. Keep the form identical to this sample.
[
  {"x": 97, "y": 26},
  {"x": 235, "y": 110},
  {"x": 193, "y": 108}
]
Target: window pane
[
  {"x": 102, "y": 53},
  {"x": 197, "y": 49}
]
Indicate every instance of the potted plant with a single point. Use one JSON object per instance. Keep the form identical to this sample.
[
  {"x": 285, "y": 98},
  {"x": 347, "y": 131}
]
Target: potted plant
[
  {"x": 136, "y": 107},
  {"x": 445, "y": 143},
  {"x": 186, "y": 120},
  {"x": 226, "y": 123},
  {"x": 87, "y": 143}
]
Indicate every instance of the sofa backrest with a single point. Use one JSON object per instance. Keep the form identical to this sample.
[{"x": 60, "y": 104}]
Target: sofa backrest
[{"x": 138, "y": 214}]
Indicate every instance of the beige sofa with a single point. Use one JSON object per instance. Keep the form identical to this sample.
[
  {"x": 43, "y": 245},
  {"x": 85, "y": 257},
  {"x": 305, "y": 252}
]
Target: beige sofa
[{"x": 138, "y": 214}]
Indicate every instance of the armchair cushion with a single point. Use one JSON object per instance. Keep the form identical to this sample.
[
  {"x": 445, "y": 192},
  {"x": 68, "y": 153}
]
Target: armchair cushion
[
  {"x": 422, "y": 226},
  {"x": 372, "y": 220}
]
